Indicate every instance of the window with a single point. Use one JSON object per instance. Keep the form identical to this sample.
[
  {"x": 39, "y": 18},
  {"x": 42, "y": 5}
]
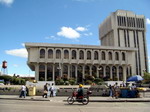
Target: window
[
  {"x": 42, "y": 53},
  {"x": 88, "y": 55},
  {"x": 110, "y": 55},
  {"x": 66, "y": 54},
  {"x": 81, "y": 55},
  {"x": 103, "y": 55},
  {"x": 50, "y": 53},
  {"x": 123, "y": 56},
  {"x": 74, "y": 56},
  {"x": 95, "y": 55},
  {"x": 58, "y": 54},
  {"x": 116, "y": 56}
]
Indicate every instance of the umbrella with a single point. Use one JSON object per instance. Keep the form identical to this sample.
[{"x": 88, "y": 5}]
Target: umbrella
[{"x": 135, "y": 78}]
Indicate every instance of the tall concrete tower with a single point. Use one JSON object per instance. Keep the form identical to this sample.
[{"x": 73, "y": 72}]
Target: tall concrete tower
[{"x": 126, "y": 29}]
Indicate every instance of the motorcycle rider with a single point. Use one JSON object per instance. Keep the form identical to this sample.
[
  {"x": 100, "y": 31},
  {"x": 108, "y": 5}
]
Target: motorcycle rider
[{"x": 80, "y": 91}]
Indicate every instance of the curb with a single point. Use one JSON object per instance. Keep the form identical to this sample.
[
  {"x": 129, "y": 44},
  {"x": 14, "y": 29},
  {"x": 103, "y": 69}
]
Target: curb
[
  {"x": 32, "y": 99},
  {"x": 116, "y": 101}
]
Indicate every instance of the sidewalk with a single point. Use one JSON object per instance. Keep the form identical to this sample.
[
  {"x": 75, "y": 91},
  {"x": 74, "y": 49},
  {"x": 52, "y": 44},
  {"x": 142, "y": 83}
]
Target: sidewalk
[{"x": 64, "y": 99}]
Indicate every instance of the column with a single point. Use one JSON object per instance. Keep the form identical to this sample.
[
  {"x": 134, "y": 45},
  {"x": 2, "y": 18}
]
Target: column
[
  {"x": 90, "y": 69},
  {"x": 45, "y": 72},
  {"x": 53, "y": 72},
  {"x": 76, "y": 72},
  {"x": 97, "y": 71},
  {"x": 104, "y": 71},
  {"x": 68, "y": 72},
  {"x": 111, "y": 74},
  {"x": 117, "y": 67},
  {"x": 124, "y": 73},
  {"x": 37, "y": 72},
  {"x": 83, "y": 71}
]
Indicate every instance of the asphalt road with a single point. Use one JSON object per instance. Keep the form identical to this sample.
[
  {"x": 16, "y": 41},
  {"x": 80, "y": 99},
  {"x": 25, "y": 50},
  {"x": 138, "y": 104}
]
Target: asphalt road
[{"x": 60, "y": 106}]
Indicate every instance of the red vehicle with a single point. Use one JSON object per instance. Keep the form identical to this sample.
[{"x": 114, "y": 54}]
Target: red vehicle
[{"x": 81, "y": 99}]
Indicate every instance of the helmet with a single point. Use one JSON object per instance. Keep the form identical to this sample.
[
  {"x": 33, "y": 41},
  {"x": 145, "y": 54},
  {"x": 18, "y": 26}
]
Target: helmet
[{"x": 80, "y": 85}]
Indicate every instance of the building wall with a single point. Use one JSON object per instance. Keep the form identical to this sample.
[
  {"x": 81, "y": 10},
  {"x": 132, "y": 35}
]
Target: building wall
[
  {"x": 129, "y": 31},
  {"x": 111, "y": 67}
]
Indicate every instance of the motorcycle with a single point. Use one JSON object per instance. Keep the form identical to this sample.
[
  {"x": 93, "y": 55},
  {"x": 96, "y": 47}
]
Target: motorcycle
[{"x": 81, "y": 99}]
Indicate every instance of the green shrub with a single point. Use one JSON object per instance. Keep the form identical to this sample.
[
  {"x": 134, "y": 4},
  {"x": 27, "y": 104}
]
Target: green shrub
[
  {"x": 88, "y": 82},
  {"x": 72, "y": 81},
  {"x": 59, "y": 82},
  {"x": 98, "y": 81}
]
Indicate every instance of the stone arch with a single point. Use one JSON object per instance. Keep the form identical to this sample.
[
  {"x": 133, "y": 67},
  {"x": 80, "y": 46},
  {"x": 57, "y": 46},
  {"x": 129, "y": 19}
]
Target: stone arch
[
  {"x": 58, "y": 54},
  {"x": 74, "y": 54},
  {"x": 42, "y": 53},
  {"x": 94, "y": 71},
  {"x": 96, "y": 55},
  {"x": 66, "y": 54},
  {"x": 42, "y": 72},
  {"x": 81, "y": 54},
  {"x": 50, "y": 53},
  {"x": 114, "y": 73},
  {"x": 88, "y": 55},
  {"x": 49, "y": 72},
  {"x": 120, "y": 73},
  {"x": 79, "y": 74},
  {"x": 107, "y": 71}
]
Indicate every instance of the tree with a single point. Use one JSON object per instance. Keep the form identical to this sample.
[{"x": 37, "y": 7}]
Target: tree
[{"x": 146, "y": 78}]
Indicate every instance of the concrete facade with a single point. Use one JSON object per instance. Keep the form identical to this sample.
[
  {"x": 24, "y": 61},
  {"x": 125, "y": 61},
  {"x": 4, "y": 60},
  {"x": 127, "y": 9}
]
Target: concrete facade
[
  {"x": 126, "y": 29},
  {"x": 119, "y": 56}
]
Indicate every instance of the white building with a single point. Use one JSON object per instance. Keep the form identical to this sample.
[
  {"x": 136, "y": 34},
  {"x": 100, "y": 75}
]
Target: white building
[{"x": 122, "y": 52}]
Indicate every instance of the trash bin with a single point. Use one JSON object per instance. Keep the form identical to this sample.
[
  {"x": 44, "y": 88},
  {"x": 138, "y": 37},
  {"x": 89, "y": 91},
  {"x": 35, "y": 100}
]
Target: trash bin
[{"x": 32, "y": 91}]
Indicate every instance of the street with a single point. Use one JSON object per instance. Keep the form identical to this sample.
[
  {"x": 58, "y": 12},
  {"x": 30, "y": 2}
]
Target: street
[{"x": 60, "y": 106}]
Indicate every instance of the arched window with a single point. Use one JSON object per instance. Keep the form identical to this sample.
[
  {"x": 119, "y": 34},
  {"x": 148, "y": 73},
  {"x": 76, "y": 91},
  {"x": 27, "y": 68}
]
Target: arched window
[
  {"x": 58, "y": 54},
  {"x": 107, "y": 71},
  {"x": 120, "y": 73},
  {"x": 41, "y": 72},
  {"x": 114, "y": 73},
  {"x": 116, "y": 56},
  {"x": 65, "y": 71},
  {"x": 50, "y": 53},
  {"x": 110, "y": 55},
  {"x": 42, "y": 53},
  {"x": 103, "y": 55},
  {"x": 123, "y": 56},
  {"x": 74, "y": 55},
  {"x": 95, "y": 55},
  {"x": 66, "y": 54},
  {"x": 81, "y": 55},
  {"x": 88, "y": 55},
  {"x": 87, "y": 70}
]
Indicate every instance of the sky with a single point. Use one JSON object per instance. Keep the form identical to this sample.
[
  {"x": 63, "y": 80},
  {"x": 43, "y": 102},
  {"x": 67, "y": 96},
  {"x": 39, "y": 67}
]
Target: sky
[{"x": 56, "y": 21}]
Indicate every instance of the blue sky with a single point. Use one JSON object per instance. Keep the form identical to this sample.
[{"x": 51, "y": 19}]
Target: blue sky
[{"x": 49, "y": 21}]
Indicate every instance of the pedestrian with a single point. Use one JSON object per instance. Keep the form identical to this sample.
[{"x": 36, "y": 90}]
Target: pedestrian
[
  {"x": 51, "y": 89},
  {"x": 116, "y": 89},
  {"x": 23, "y": 91},
  {"x": 110, "y": 91},
  {"x": 45, "y": 91}
]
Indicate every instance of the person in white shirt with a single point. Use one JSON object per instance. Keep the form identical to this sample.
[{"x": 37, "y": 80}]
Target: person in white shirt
[{"x": 23, "y": 91}]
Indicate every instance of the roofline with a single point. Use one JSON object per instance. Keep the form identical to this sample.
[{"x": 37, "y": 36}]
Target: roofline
[{"x": 30, "y": 45}]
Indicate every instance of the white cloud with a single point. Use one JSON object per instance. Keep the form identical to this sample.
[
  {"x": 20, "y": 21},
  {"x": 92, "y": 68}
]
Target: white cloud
[
  {"x": 81, "y": 29},
  {"x": 68, "y": 32},
  {"x": 15, "y": 65},
  {"x": 22, "y": 52},
  {"x": 148, "y": 20},
  {"x": 88, "y": 34},
  {"x": 52, "y": 37},
  {"x": 23, "y": 44},
  {"x": 6, "y": 2}
]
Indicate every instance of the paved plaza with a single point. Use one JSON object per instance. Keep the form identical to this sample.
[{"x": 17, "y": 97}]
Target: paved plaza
[
  {"x": 59, "y": 106},
  {"x": 11, "y": 103}
]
